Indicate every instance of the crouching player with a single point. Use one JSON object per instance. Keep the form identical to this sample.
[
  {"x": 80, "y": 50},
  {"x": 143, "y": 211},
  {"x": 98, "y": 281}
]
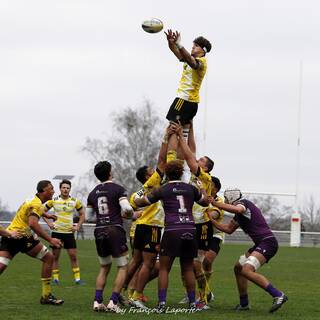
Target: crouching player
[
  {"x": 25, "y": 221},
  {"x": 109, "y": 201},
  {"x": 250, "y": 219}
]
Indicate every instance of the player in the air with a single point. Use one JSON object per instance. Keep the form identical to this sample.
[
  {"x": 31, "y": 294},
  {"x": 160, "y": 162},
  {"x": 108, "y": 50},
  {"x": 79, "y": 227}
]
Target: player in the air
[
  {"x": 25, "y": 222},
  {"x": 179, "y": 237},
  {"x": 185, "y": 105},
  {"x": 250, "y": 219},
  {"x": 64, "y": 207},
  {"x": 109, "y": 202}
]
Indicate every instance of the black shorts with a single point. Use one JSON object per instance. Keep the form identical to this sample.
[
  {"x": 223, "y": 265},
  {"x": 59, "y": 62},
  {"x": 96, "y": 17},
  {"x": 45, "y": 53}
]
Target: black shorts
[
  {"x": 110, "y": 240},
  {"x": 179, "y": 243},
  {"x": 147, "y": 238},
  {"x": 204, "y": 235},
  {"x": 68, "y": 240},
  {"x": 182, "y": 110},
  {"x": 13, "y": 246},
  {"x": 214, "y": 244}
]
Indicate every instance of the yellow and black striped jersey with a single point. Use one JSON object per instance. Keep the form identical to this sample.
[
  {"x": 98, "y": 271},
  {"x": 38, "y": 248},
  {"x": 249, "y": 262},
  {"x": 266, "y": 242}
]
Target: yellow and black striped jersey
[
  {"x": 199, "y": 212},
  {"x": 152, "y": 215},
  {"x": 191, "y": 80},
  {"x": 20, "y": 221},
  {"x": 64, "y": 209}
]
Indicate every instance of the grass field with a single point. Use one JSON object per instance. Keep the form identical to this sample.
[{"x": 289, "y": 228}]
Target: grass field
[{"x": 294, "y": 270}]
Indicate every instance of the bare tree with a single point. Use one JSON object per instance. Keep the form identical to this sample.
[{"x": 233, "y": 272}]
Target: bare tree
[
  {"x": 134, "y": 141},
  {"x": 310, "y": 214}
]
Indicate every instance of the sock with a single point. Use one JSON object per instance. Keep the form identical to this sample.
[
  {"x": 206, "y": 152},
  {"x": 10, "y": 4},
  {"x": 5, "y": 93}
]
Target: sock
[
  {"x": 76, "y": 273},
  {"x": 171, "y": 155},
  {"x": 162, "y": 295},
  {"x": 201, "y": 280},
  {"x": 99, "y": 296},
  {"x": 55, "y": 274},
  {"x": 185, "y": 133},
  {"x": 191, "y": 296},
  {"x": 244, "y": 301},
  {"x": 115, "y": 297},
  {"x": 46, "y": 287},
  {"x": 136, "y": 295},
  {"x": 273, "y": 291},
  {"x": 130, "y": 293},
  {"x": 208, "y": 276}
]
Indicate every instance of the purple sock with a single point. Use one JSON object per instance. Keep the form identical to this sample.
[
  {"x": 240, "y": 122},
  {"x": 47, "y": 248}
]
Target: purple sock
[
  {"x": 191, "y": 296},
  {"x": 114, "y": 297},
  {"x": 162, "y": 295},
  {"x": 99, "y": 296},
  {"x": 273, "y": 291},
  {"x": 244, "y": 301}
]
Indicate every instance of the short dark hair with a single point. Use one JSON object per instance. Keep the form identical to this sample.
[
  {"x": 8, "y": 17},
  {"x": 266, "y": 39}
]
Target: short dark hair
[
  {"x": 42, "y": 184},
  {"x": 102, "y": 170},
  {"x": 141, "y": 174},
  {"x": 203, "y": 43},
  {"x": 65, "y": 181},
  {"x": 216, "y": 182},
  {"x": 174, "y": 169},
  {"x": 210, "y": 164}
]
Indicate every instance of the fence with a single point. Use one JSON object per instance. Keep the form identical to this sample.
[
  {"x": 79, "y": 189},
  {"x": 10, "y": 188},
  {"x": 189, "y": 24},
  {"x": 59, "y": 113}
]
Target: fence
[{"x": 308, "y": 239}]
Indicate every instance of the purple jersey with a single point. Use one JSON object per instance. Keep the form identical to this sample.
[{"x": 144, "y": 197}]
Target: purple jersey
[
  {"x": 177, "y": 198},
  {"x": 252, "y": 222},
  {"x": 104, "y": 199}
]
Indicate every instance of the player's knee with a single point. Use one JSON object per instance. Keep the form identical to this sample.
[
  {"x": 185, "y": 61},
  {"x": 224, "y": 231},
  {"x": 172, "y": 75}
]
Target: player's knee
[
  {"x": 45, "y": 255},
  {"x": 4, "y": 262},
  {"x": 121, "y": 261},
  {"x": 237, "y": 268},
  {"x": 247, "y": 269}
]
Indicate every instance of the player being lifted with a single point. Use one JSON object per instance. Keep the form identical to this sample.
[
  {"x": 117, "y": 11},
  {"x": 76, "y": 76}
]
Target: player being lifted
[
  {"x": 65, "y": 207},
  {"x": 250, "y": 219},
  {"x": 185, "y": 105},
  {"x": 24, "y": 222},
  {"x": 109, "y": 202}
]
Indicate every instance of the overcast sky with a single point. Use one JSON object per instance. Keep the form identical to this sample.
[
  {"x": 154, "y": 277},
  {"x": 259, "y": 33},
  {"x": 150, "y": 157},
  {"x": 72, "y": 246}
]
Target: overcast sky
[{"x": 66, "y": 65}]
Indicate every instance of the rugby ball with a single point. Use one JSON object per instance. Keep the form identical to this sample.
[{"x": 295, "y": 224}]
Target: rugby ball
[{"x": 152, "y": 25}]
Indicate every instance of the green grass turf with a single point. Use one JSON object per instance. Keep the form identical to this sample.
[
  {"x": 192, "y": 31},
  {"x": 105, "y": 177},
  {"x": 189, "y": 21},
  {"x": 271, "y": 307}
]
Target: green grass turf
[{"x": 293, "y": 270}]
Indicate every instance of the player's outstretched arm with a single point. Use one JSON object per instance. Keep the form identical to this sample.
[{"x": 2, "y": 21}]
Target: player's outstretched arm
[
  {"x": 162, "y": 159},
  {"x": 185, "y": 55},
  {"x": 237, "y": 209},
  {"x": 172, "y": 45},
  {"x": 188, "y": 155}
]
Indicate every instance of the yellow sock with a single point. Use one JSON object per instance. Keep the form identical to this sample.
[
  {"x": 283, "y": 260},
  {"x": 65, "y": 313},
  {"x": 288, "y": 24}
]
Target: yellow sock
[
  {"x": 201, "y": 280},
  {"x": 76, "y": 273},
  {"x": 208, "y": 276},
  {"x": 46, "y": 287},
  {"x": 136, "y": 295},
  {"x": 55, "y": 274},
  {"x": 171, "y": 155},
  {"x": 130, "y": 293}
]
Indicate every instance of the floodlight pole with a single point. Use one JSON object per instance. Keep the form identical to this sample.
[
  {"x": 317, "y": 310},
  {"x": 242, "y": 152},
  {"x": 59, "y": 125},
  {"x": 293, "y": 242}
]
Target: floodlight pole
[{"x": 295, "y": 235}]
